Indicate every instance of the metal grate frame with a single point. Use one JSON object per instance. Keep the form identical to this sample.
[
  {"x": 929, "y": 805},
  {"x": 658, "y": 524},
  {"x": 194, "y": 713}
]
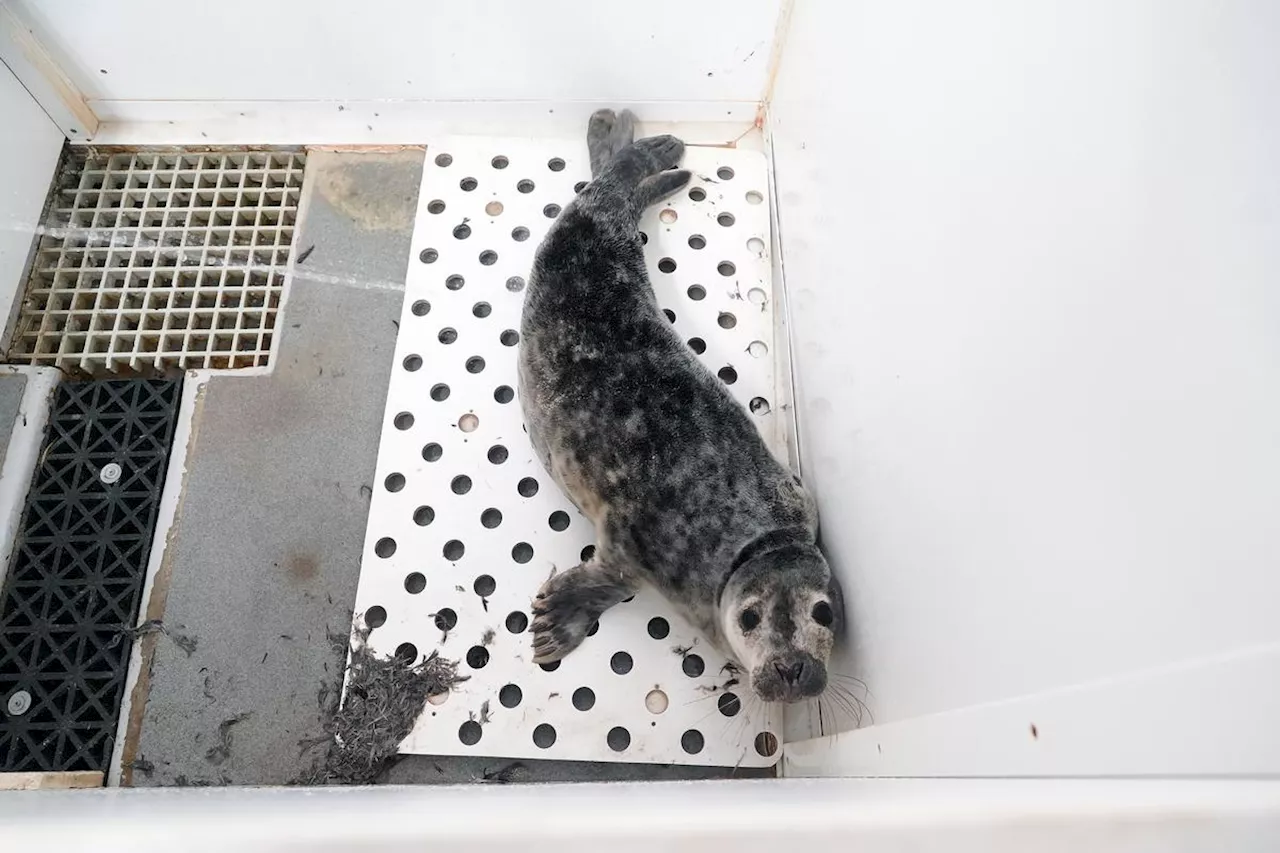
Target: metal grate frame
[{"x": 155, "y": 260}]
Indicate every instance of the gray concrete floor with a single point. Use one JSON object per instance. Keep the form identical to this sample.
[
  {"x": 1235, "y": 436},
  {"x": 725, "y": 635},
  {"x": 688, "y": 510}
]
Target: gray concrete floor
[
  {"x": 265, "y": 555},
  {"x": 11, "y": 388}
]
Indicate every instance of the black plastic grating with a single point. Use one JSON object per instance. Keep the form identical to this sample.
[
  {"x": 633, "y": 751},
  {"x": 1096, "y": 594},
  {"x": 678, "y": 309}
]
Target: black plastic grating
[{"x": 75, "y": 580}]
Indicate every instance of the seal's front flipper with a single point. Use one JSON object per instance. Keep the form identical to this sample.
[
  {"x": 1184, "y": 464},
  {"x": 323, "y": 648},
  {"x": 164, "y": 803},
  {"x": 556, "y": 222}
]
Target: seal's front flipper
[{"x": 569, "y": 603}]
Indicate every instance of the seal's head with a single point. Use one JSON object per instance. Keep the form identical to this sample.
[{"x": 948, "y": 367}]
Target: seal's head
[{"x": 781, "y": 612}]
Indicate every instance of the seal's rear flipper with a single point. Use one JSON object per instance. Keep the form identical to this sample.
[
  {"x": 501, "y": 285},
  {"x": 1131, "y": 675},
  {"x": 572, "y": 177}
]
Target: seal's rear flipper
[{"x": 607, "y": 134}]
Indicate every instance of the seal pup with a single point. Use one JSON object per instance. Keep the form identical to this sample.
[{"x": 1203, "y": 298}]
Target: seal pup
[{"x": 655, "y": 451}]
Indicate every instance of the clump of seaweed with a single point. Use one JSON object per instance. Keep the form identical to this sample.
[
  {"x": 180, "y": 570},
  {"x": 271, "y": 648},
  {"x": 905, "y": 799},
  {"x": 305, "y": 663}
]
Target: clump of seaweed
[{"x": 384, "y": 698}]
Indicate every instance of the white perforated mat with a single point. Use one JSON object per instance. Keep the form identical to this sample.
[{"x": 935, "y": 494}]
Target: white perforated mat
[{"x": 465, "y": 525}]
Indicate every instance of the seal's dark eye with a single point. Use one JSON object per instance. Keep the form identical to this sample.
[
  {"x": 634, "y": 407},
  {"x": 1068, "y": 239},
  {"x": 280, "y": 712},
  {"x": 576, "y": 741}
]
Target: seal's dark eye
[
  {"x": 822, "y": 614},
  {"x": 749, "y": 619}
]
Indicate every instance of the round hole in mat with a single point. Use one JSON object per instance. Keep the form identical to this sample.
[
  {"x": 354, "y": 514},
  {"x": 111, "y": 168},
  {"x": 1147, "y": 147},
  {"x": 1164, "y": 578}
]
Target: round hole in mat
[
  {"x": 727, "y": 374},
  {"x": 549, "y": 667},
  {"x": 415, "y": 582},
  {"x": 461, "y": 484},
  {"x": 406, "y": 653},
  {"x": 667, "y": 265},
  {"x": 697, "y": 241},
  {"x": 579, "y": 187},
  {"x": 671, "y": 315},
  {"x": 454, "y": 549},
  {"x": 447, "y": 335},
  {"x": 491, "y": 518},
  {"x": 544, "y": 735},
  {"x": 595, "y": 626},
  {"x": 446, "y": 619},
  {"x": 724, "y": 173},
  {"x": 438, "y": 699},
  {"x": 509, "y": 338},
  {"x": 555, "y": 164},
  {"x": 584, "y": 698},
  {"x": 726, "y": 320},
  {"x": 760, "y": 406},
  {"x": 412, "y": 362},
  {"x": 528, "y": 487},
  {"x": 423, "y": 516},
  {"x": 432, "y": 452},
  {"x": 756, "y": 246},
  {"x": 587, "y": 553},
  {"x": 429, "y": 256},
  {"x": 693, "y": 665},
  {"x": 692, "y": 741},
  {"x": 421, "y": 308},
  {"x": 756, "y": 296},
  {"x": 656, "y": 701},
  {"x": 503, "y": 394},
  {"x": 482, "y": 309},
  {"x": 766, "y": 744},
  {"x": 618, "y": 739},
  {"x": 726, "y": 268},
  {"x": 488, "y": 257},
  {"x": 698, "y": 345},
  {"x": 435, "y": 206},
  {"x": 517, "y": 622},
  {"x": 493, "y": 208},
  {"x": 394, "y": 482},
  {"x": 455, "y": 282},
  {"x": 515, "y": 284},
  {"x": 697, "y": 194},
  {"x": 484, "y": 585},
  {"x": 376, "y": 616},
  {"x": 519, "y": 233},
  {"x": 754, "y": 197},
  {"x": 758, "y": 349},
  {"x": 551, "y": 211},
  {"x": 443, "y": 160},
  {"x": 404, "y": 420},
  {"x": 462, "y": 231},
  {"x": 644, "y": 239},
  {"x": 440, "y": 392},
  {"x": 659, "y": 628},
  {"x": 522, "y": 552},
  {"x": 475, "y": 364},
  {"x": 667, "y": 216},
  {"x": 697, "y": 292},
  {"x": 498, "y": 454},
  {"x": 621, "y": 663},
  {"x": 729, "y": 704},
  {"x": 525, "y": 185},
  {"x": 477, "y": 657},
  {"x": 510, "y": 696},
  {"x": 469, "y": 422},
  {"x": 469, "y": 733},
  {"x": 558, "y": 520},
  {"x": 499, "y": 162},
  {"x": 468, "y": 184}
]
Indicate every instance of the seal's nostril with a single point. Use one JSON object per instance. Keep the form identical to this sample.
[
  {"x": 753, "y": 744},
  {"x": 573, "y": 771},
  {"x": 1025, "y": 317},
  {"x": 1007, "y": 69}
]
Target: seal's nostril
[{"x": 790, "y": 674}]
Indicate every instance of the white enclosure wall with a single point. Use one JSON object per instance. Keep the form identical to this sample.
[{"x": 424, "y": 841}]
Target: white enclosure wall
[
  {"x": 1033, "y": 257},
  {"x": 29, "y": 146},
  {"x": 377, "y": 71}
]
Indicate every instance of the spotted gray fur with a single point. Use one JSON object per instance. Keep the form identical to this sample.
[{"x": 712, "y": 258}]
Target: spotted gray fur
[{"x": 653, "y": 448}]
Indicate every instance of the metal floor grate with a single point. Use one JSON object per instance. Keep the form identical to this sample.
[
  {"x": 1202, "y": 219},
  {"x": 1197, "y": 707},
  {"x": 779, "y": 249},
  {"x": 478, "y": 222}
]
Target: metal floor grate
[
  {"x": 464, "y": 523},
  {"x": 154, "y": 260},
  {"x": 74, "y": 584}
]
